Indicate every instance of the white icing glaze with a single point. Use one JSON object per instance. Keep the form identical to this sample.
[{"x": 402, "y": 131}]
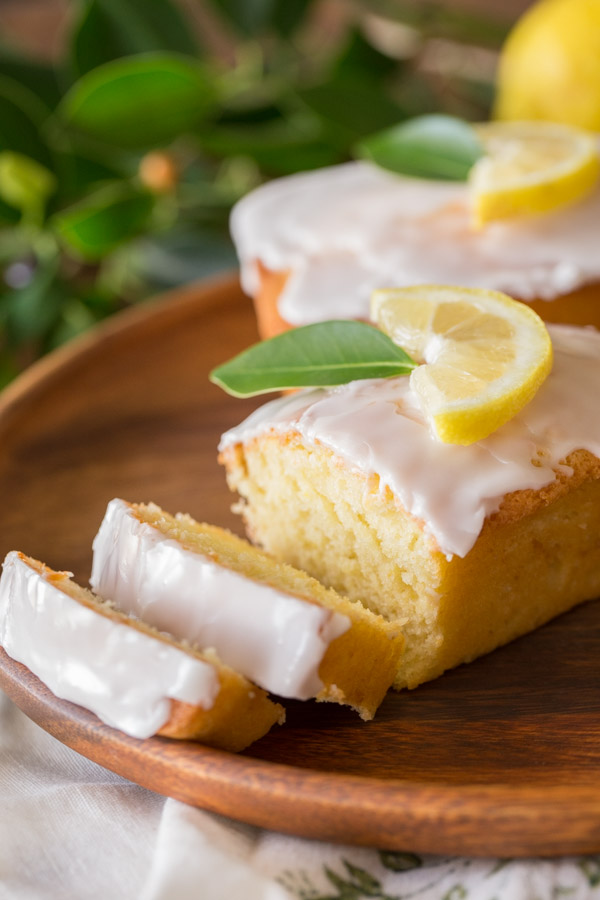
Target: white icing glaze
[
  {"x": 345, "y": 230},
  {"x": 275, "y": 639},
  {"x": 122, "y": 675},
  {"x": 377, "y": 427}
]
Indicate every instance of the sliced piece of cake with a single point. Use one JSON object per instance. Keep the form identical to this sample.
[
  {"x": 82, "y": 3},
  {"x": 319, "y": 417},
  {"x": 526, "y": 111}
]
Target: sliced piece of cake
[
  {"x": 130, "y": 675},
  {"x": 467, "y": 546},
  {"x": 275, "y": 624}
]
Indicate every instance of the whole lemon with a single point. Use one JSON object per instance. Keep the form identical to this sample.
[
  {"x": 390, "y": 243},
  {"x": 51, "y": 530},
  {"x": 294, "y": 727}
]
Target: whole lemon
[{"x": 550, "y": 65}]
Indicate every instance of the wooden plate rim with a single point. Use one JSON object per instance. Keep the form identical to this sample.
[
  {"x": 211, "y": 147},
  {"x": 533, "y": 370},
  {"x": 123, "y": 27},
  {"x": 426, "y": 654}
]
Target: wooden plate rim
[
  {"x": 425, "y": 817},
  {"x": 394, "y": 814}
]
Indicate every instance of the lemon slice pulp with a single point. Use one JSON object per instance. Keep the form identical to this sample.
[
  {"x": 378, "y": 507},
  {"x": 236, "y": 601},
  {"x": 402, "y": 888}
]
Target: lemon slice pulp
[
  {"x": 484, "y": 355},
  {"x": 531, "y": 167}
]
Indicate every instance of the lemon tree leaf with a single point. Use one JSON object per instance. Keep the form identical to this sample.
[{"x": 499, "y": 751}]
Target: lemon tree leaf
[
  {"x": 437, "y": 147},
  {"x": 140, "y": 101},
  {"x": 40, "y": 79},
  {"x": 319, "y": 355},
  {"x": 24, "y": 183},
  {"x": 281, "y": 146},
  {"x": 110, "y": 29},
  {"x": 254, "y": 17},
  {"x": 22, "y": 116},
  {"x": 103, "y": 221},
  {"x": 350, "y": 107}
]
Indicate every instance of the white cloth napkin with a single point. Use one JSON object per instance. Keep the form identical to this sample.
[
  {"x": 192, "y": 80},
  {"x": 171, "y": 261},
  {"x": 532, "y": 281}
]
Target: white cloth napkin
[{"x": 70, "y": 830}]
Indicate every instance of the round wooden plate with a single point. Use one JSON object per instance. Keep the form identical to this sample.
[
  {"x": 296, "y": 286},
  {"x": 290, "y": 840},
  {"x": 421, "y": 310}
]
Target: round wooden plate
[{"x": 501, "y": 757}]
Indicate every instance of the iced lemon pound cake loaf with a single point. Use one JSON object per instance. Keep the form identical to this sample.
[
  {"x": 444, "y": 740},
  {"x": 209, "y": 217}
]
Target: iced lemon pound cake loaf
[
  {"x": 276, "y": 625},
  {"x": 468, "y": 546},
  {"x": 314, "y": 246},
  {"x": 133, "y": 677}
]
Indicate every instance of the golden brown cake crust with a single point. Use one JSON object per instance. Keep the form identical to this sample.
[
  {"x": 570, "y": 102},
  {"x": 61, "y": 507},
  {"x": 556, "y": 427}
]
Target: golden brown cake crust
[
  {"x": 269, "y": 322},
  {"x": 241, "y": 714},
  {"x": 585, "y": 467}
]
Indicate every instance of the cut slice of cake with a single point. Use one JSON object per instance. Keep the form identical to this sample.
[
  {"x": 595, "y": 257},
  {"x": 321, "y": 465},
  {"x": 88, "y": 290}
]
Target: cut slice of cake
[
  {"x": 467, "y": 546},
  {"x": 130, "y": 675},
  {"x": 276, "y": 625}
]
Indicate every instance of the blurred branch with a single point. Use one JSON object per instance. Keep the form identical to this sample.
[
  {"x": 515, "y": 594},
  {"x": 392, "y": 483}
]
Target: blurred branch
[{"x": 434, "y": 19}]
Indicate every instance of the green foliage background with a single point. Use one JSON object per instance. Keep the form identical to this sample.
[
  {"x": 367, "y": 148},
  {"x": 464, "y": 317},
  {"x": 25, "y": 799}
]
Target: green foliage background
[{"x": 119, "y": 165}]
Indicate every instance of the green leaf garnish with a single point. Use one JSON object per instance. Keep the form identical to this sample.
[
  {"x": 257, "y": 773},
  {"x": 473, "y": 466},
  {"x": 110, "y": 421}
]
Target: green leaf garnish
[
  {"x": 436, "y": 147},
  {"x": 319, "y": 355}
]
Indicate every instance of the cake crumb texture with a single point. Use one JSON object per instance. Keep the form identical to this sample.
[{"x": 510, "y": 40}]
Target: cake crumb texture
[
  {"x": 359, "y": 665},
  {"x": 538, "y": 556}
]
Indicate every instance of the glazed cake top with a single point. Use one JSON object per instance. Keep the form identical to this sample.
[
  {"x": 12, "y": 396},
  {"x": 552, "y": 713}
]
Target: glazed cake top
[
  {"x": 376, "y": 426},
  {"x": 345, "y": 230},
  {"x": 125, "y": 676},
  {"x": 274, "y": 638}
]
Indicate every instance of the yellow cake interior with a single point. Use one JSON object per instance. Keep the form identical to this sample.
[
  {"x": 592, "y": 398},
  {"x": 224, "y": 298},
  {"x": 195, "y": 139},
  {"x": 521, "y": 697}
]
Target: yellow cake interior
[
  {"x": 358, "y": 666},
  {"x": 536, "y": 557}
]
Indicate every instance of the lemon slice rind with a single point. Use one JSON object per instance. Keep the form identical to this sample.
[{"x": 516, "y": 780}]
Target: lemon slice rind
[
  {"x": 531, "y": 168},
  {"x": 468, "y": 386}
]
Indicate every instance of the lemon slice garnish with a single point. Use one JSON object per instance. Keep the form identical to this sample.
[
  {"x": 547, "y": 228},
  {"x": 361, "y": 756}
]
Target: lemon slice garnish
[
  {"x": 531, "y": 167},
  {"x": 484, "y": 355}
]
